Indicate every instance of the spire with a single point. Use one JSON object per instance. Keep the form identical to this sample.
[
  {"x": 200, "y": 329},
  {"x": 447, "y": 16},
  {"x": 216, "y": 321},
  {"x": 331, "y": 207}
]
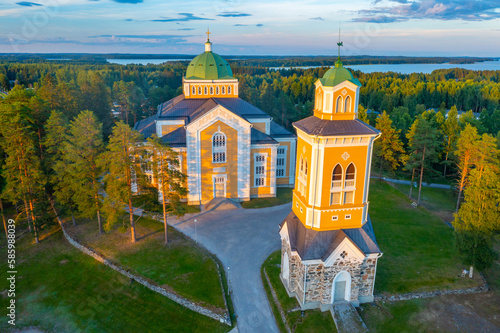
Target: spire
[
  {"x": 208, "y": 45},
  {"x": 338, "y": 63}
]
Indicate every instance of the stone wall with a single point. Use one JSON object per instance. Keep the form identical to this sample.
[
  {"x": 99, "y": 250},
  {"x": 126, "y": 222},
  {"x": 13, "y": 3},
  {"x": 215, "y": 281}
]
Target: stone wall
[{"x": 174, "y": 297}]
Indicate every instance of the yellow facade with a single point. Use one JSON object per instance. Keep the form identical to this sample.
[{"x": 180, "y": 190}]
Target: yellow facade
[
  {"x": 339, "y": 106},
  {"x": 261, "y": 191},
  {"x": 209, "y": 169},
  {"x": 209, "y": 90}
]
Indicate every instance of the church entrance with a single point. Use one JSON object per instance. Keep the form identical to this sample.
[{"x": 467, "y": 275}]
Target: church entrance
[
  {"x": 341, "y": 287},
  {"x": 219, "y": 187}
]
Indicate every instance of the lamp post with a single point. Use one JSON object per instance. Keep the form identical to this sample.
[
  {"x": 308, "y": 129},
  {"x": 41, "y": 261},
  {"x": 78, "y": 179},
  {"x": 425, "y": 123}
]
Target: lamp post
[{"x": 195, "y": 232}]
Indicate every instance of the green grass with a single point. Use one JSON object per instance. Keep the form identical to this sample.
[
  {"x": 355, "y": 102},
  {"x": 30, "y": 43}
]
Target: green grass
[
  {"x": 435, "y": 199},
  {"x": 181, "y": 265},
  {"x": 60, "y": 289},
  {"x": 283, "y": 196},
  {"x": 156, "y": 207},
  {"x": 313, "y": 321},
  {"x": 419, "y": 253}
]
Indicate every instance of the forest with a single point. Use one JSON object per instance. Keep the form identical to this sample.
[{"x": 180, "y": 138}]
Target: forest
[{"x": 443, "y": 126}]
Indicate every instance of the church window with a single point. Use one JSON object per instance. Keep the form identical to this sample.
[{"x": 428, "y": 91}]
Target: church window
[
  {"x": 335, "y": 218},
  {"x": 335, "y": 198},
  {"x": 260, "y": 169},
  {"x": 206, "y": 90},
  {"x": 281, "y": 162},
  {"x": 350, "y": 175},
  {"x": 338, "y": 108},
  {"x": 348, "y": 217},
  {"x": 211, "y": 90},
  {"x": 349, "y": 197},
  {"x": 217, "y": 90},
  {"x": 347, "y": 107},
  {"x": 193, "y": 90},
  {"x": 223, "y": 90},
  {"x": 199, "y": 90},
  {"x": 229, "y": 90},
  {"x": 219, "y": 148},
  {"x": 302, "y": 176},
  {"x": 337, "y": 177}
]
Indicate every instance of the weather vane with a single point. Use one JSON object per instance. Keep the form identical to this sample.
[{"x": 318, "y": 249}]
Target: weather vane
[{"x": 339, "y": 44}]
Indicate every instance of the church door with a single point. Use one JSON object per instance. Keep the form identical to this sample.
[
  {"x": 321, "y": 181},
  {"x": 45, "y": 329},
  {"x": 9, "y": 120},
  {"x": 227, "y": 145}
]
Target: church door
[
  {"x": 219, "y": 187},
  {"x": 339, "y": 291}
]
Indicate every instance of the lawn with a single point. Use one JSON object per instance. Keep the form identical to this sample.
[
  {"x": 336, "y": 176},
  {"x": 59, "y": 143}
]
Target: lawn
[
  {"x": 180, "y": 266},
  {"x": 441, "y": 202},
  {"x": 155, "y": 206},
  {"x": 60, "y": 289},
  {"x": 283, "y": 196},
  {"x": 419, "y": 253},
  {"x": 313, "y": 320}
]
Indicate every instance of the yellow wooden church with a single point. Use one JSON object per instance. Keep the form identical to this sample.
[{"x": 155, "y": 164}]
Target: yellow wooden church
[
  {"x": 228, "y": 148},
  {"x": 329, "y": 250}
]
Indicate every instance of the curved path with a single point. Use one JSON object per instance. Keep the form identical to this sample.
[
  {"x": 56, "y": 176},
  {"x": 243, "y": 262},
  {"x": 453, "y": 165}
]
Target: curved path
[{"x": 242, "y": 239}]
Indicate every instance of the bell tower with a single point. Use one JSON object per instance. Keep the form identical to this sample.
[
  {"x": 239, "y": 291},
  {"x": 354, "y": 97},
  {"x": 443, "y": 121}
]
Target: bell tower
[{"x": 328, "y": 236}]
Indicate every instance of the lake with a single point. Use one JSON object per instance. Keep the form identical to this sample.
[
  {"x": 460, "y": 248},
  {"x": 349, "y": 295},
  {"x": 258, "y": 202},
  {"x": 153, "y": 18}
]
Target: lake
[
  {"x": 416, "y": 68},
  {"x": 400, "y": 68},
  {"x": 142, "y": 61}
]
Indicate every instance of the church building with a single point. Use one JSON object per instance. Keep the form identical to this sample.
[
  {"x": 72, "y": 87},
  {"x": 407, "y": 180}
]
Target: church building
[
  {"x": 227, "y": 147},
  {"x": 328, "y": 248}
]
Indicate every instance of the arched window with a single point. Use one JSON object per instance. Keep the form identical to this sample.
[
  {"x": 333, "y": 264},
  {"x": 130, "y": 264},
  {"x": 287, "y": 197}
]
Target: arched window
[
  {"x": 223, "y": 90},
  {"x": 337, "y": 177},
  {"x": 219, "y": 148},
  {"x": 350, "y": 180},
  {"x": 211, "y": 90},
  {"x": 338, "y": 108},
  {"x": 301, "y": 165},
  {"x": 347, "y": 107},
  {"x": 193, "y": 90},
  {"x": 305, "y": 169},
  {"x": 350, "y": 175},
  {"x": 206, "y": 90},
  {"x": 199, "y": 90},
  {"x": 217, "y": 90},
  {"x": 229, "y": 90}
]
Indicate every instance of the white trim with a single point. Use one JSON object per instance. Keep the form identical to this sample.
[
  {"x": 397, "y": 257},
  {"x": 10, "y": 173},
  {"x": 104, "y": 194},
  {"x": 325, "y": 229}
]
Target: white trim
[
  {"x": 284, "y": 164},
  {"x": 219, "y": 175},
  {"x": 161, "y": 123},
  {"x": 348, "y": 246}
]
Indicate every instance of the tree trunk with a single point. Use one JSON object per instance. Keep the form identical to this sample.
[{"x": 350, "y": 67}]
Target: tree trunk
[
  {"x": 445, "y": 160},
  {"x": 411, "y": 185},
  {"x": 34, "y": 222},
  {"x": 4, "y": 220},
  {"x": 132, "y": 223},
  {"x": 99, "y": 222},
  {"x": 458, "y": 199},
  {"x": 421, "y": 176},
  {"x": 72, "y": 216},
  {"x": 164, "y": 214}
]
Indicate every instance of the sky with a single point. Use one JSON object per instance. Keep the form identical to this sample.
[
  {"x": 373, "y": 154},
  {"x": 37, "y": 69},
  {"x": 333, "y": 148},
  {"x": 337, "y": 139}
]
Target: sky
[{"x": 257, "y": 27}]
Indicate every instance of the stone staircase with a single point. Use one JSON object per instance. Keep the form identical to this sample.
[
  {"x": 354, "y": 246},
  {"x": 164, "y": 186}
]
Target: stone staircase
[
  {"x": 347, "y": 319},
  {"x": 221, "y": 204}
]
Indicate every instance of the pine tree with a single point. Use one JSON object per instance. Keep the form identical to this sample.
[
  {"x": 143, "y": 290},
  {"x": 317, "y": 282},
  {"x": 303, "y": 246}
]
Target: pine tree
[
  {"x": 362, "y": 114},
  {"x": 388, "y": 149},
  {"x": 81, "y": 155},
  {"x": 170, "y": 180},
  {"x": 451, "y": 131},
  {"x": 423, "y": 142},
  {"x": 465, "y": 154},
  {"x": 122, "y": 159}
]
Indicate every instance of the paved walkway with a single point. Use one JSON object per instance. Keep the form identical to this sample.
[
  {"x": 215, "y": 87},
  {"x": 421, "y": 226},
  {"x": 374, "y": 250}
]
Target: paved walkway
[
  {"x": 242, "y": 239},
  {"x": 407, "y": 182}
]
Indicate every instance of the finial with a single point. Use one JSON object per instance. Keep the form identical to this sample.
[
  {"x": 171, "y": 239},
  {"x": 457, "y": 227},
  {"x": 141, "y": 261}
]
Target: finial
[
  {"x": 208, "y": 44},
  {"x": 338, "y": 63}
]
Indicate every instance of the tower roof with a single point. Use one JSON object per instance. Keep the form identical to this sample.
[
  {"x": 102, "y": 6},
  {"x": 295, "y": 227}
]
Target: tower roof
[
  {"x": 338, "y": 74},
  {"x": 208, "y": 66}
]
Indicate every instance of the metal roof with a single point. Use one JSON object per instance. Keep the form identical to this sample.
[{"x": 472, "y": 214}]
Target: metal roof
[
  {"x": 322, "y": 127},
  {"x": 257, "y": 137},
  {"x": 313, "y": 244},
  {"x": 176, "y": 138}
]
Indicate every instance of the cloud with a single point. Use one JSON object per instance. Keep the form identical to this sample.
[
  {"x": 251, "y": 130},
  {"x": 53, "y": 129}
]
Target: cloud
[
  {"x": 129, "y": 20},
  {"x": 466, "y": 10},
  {"x": 128, "y": 1},
  {"x": 28, "y": 4},
  {"x": 233, "y": 14},
  {"x": 185, "y": 29},
  {"x": 319, "y": 18},
  {"x": 248, "y": 25},
  {"x": 142, "y": 36},
  {"x": 259, "y": 25},
  {"x": 186, "y": 17}
]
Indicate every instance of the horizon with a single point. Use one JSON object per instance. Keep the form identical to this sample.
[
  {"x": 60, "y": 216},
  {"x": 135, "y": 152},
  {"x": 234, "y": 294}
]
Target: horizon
[{"x": 410, "y": 28}]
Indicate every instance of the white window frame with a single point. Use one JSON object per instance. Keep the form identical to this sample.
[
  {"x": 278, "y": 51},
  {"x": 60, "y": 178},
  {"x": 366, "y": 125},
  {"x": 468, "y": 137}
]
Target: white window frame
[
  {"x": 283, "y": 156},
  {"x": 260, "y": 179},
  {"x": 219, "y": 149}
]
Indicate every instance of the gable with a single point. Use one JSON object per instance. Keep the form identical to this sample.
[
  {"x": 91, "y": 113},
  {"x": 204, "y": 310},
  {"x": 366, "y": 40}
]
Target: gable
[{"x": 347, "y": 248}]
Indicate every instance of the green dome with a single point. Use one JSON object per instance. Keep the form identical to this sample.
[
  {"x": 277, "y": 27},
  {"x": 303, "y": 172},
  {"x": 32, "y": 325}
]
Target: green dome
[
  {"x": 338, "y": 74},
  {"x": 209, "y": 66}
]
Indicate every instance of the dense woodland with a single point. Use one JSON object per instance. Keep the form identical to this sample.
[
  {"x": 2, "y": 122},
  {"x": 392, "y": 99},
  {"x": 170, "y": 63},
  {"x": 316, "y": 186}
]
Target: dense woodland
[{"x": 59, "y": 135}]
